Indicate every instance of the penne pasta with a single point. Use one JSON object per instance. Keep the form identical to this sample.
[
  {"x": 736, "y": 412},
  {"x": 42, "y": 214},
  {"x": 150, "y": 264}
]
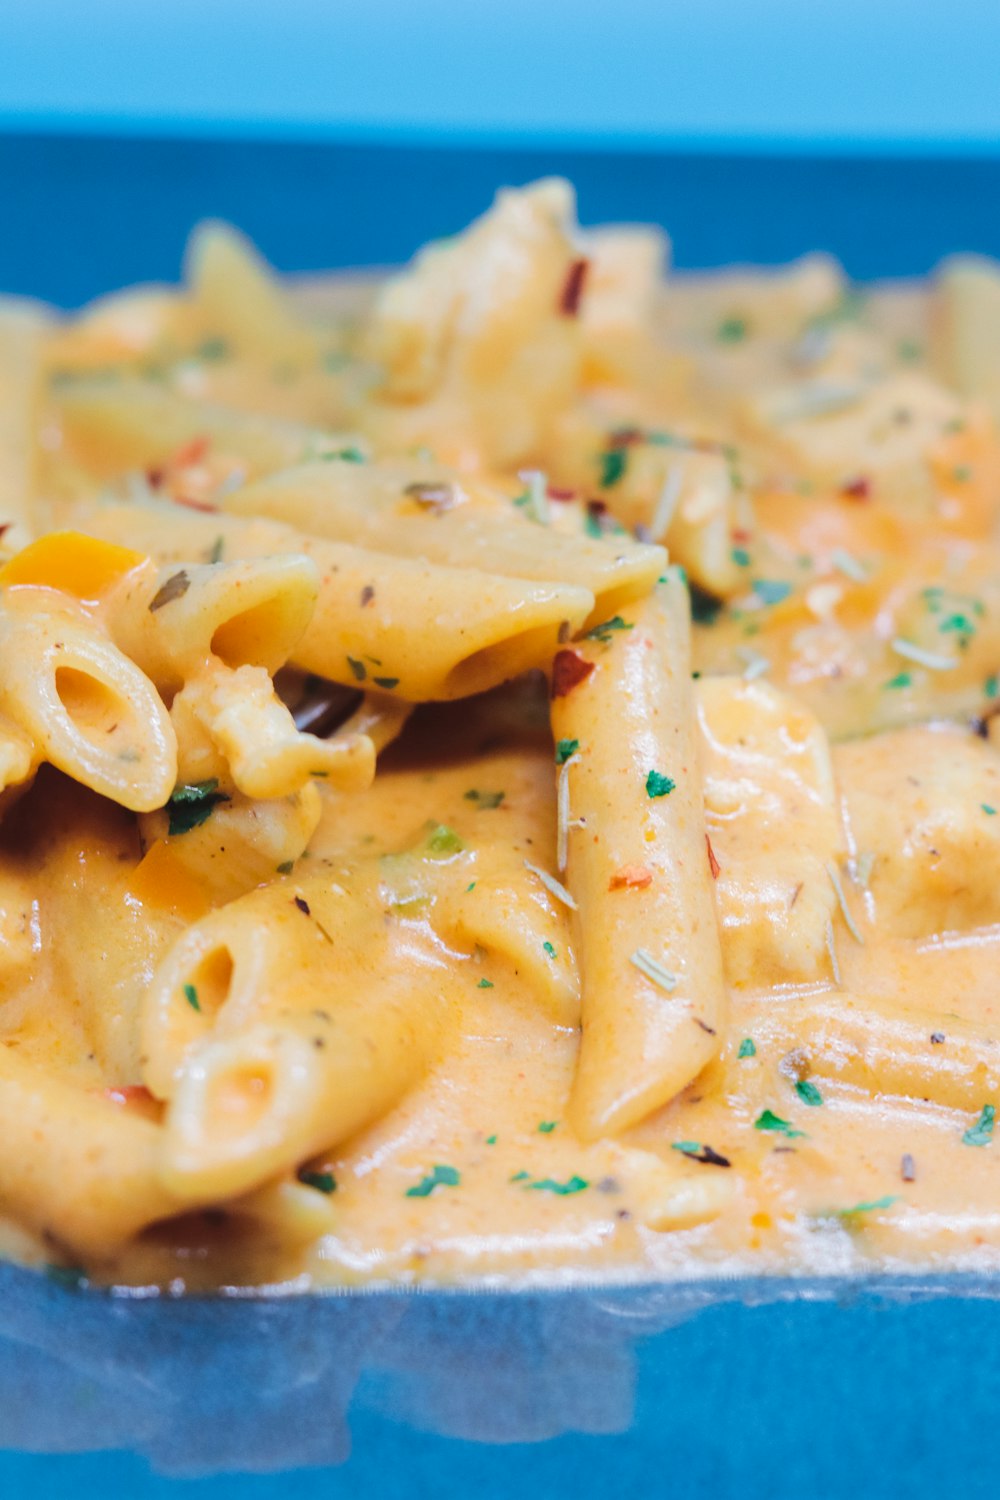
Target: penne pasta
[
  {"x": 653, "y": 992},
  {"x": 24, "y": 327}
]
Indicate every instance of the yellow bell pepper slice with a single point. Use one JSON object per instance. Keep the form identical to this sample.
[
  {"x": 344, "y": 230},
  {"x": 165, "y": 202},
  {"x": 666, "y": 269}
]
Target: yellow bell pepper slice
[{"x": 72, "y": 563}]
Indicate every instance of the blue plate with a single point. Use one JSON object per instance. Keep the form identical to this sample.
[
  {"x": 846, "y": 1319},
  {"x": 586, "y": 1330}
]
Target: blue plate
[{"x": 758, "y": 1390}]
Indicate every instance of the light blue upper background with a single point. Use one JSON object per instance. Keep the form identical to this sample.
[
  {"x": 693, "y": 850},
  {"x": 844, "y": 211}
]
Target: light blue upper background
[{"x": 804, "y": 74}]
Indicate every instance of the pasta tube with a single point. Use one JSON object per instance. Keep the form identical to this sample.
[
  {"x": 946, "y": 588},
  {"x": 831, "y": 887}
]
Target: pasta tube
[
  {"x": 76, "y": 1167},
  {"x": 87, "y": 708},
  {"x": 406, "y": 627},
  {"x": 653, "y": 991},
  {"x": 413, "y": 508},
  {"x": 241, "y": 299},
  {"x": 258, "y": 1076}
]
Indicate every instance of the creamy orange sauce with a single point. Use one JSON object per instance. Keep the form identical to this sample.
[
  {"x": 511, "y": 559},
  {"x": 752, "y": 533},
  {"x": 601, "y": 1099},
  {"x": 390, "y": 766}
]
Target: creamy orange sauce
[{"x": 830, "y": 481}]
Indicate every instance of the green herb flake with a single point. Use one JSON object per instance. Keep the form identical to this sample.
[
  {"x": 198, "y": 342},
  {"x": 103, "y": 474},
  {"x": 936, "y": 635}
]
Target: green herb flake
[
  {"x": 192, "y": 805},
  {"x": 218, "y": 547},
  {"x": 358, "y": 669},
  {"x": 485, "y": 800},
  {"x": 747, "y": 1048},
  {"x": 771, "y": 590},
  {"x": 386, "y": 682},
  {"x": 213, "y": 349},
  {"x": 868, "y": 1208},
  {"x": 440, "y": 1176},
  {"x": 808, "y": 1092},
  {"x": 614, "y": 462},
  {"x": 485, "y": 984},
  {"x": 658, "y": 785},
  {"x": 962, "y": 473},
  {"x": 704, "y": 609},
  {"x": 768, "y": 1120},
  {"x": 990, "y": 812},
  {"x": 732, "y": 330},
  {"x": 491, "y": 1140},
  {"x": 573, "y": 1184},
  {"x": 519, "y": 1177},
  {"x": 286, "y": 867},
  {"x": 546, "y": 1127},
  {"x": 901, "y": 680},
  {"x": 323, "y": 1182},
  {"x": 592, "y": 524},
  {"x": 549, "y": 950},
  {"x": 604, "y": 631},
  {"x": 470, "y": 887},
  {"x": 564, "y": 749},
  {"x": 740, "y": 557},
  {"x": 981, "y": 1133},
  {"x": 191, "y": 996}
]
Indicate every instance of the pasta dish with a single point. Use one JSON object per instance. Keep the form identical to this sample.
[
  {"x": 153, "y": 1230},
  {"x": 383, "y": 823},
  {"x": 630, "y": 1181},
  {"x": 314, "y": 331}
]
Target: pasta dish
[{"x": 499, "y": 768}]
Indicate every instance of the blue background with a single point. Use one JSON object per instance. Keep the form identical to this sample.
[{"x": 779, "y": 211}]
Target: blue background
[{"x": 340, "y": 134}]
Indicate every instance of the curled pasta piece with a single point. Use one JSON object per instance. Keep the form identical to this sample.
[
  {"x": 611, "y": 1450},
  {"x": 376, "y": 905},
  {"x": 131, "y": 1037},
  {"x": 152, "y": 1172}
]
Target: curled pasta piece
[
  {"x": 653, "y": 992},
  {"x": 413, "y": 508},
  {"x": 87, "y": 708},
  {"x": 399, "y": 625},
  {"x": 245, "y": 613},
  {"x": 239, "y": 715}
]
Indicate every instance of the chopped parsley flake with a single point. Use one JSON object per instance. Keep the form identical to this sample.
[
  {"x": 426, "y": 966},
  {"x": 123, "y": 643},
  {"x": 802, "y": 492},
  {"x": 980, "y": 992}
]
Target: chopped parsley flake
[
  {"x": 192, "y": 805},
  {"x": 286, "y": 867},
  {"x": 213, "y": 349},
  {"x": 439, "y": 1177},
  {"x": 981, "y": 1133},
  {"x": 191, "y": 996},
  {"x": 732, "y": 330},
  {"x": 358, "y": 669},
  {"x": 658, "y": 785},
  {"x": 546, "y": 1127},
  {"x": 961, "y": 472},
  {"x": 868, "y": 1208},
  {"x": 564, "y": 749},
  {"x": 519, "y": 1177},
  {"x": 485, "y": 800},
  {"x": 697, "y": 1151},
  {"x": 386, "y": 682},
  {"x": 991, "y": 687},
  {"x": 614, "y": 462},
  {"x": 768, "y": 1120},
  {"x": 573, "y": 1184},
  {"x": 218, "y": 547},
  {"x": 990, "y": 812},
  {"x": 808, "y": 1092},
  {"x": 606, "y": 628},
  {"x": 704, "y": 609},
  {"x": 741, "y": 557},
  {"x": 323, "y": 1182},
  {"x": 747, "y": 1048},
  {"x": 549, "y": 950},
  {"x": 175, "y": 586},
  {"x": 485, "y": 984},
  {"x": 901, "y": 680},
  {"x": 491, "y": 1140}
]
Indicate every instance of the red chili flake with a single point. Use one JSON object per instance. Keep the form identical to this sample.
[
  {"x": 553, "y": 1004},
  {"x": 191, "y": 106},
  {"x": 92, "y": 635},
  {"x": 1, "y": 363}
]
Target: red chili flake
[
  {"x": 155, "y": 477},
  {"x": 128, "y": 1093},
  {"x": 191, "y": 504},
  {"x": 189, "y": 453},
  {"x": 559, "y": 494},
  {"x": 569, "y": 669},
  {"x": 857, "y": 489},
  {"x": 713, "y": 863},
  {"x": 741, "y": 535},
  {"x": 576, "y": 276},
  {"x": 631, "y": 877},
  {"x": 625, "y": 437}
]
